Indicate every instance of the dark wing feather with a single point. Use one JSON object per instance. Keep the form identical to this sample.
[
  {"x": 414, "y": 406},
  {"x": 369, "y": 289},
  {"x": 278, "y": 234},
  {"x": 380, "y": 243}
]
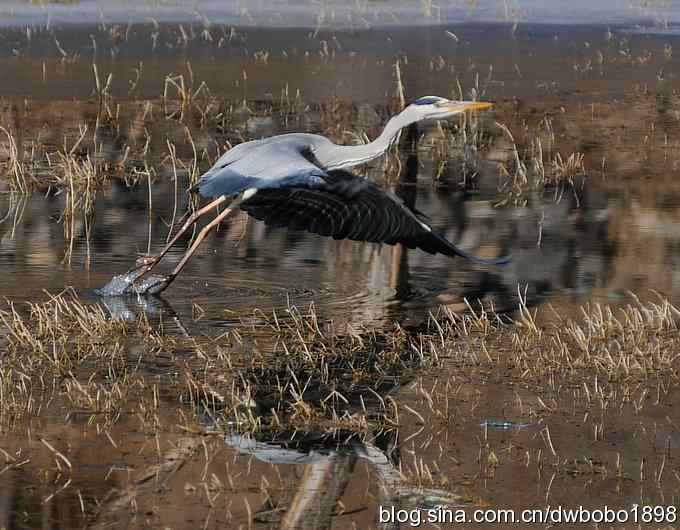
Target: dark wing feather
[{"x": 351, "y": 207}]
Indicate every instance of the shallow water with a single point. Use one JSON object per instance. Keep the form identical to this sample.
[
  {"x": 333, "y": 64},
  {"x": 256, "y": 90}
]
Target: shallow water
[
  {"x": 607, "y": 93},
  {"x": 303, "y": 13}
]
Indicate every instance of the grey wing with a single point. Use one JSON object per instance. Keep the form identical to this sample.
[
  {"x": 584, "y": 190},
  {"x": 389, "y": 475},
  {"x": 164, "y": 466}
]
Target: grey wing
[
  {"x": 237, "y": 152},
  {"x": 261, "y": 164},
  {"x": 350, "y": 207}
]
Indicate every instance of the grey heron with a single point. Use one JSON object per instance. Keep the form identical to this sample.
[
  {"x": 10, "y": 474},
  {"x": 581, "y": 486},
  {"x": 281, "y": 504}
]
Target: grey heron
[{"x": 301, "y": 181}]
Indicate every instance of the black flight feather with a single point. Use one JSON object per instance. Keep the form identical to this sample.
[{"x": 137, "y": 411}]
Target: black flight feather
[{"x": 351, "y": 207}]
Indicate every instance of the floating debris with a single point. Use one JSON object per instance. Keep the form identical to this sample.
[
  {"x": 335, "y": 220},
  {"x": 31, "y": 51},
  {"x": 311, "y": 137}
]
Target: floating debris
[{"x": 506, "y": 425}]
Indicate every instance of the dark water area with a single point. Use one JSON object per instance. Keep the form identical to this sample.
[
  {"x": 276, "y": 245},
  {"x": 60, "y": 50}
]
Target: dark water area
[
  {"x": 240, "y": 62},
  {"x": 573, "y": 173},
  {"x": 606, "y": 110},
  {"x": 250, "y": 265}
]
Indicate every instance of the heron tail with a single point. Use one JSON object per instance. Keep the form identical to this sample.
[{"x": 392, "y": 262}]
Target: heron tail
[{"x": 445, "y": 246}]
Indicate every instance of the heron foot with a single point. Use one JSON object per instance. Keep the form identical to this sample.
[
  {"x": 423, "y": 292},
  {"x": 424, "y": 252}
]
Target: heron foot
[
  {"x": 146, "y": 261},
  {"x": 119, "y": 285},
  {"x": 133, "y": 283},
  {"x": 138, "y": 281},
  {"x": 151, "y": 285},
  {"x": 143, "y": 265}
]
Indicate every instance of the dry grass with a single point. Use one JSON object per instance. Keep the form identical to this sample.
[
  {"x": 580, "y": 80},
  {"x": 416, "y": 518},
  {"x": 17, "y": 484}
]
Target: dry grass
[
  {"x": 529, "y": 168},
  {"x": 308, "y": 375},
  {"x": 279, "y": 376},
  {"x": 303, "y": 372},
  {"x": 633, "y": 342}
]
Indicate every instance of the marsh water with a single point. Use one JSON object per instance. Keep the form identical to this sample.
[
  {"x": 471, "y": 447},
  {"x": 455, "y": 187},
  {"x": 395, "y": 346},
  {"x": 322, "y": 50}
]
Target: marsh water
[{"x": 601, "y": 229}]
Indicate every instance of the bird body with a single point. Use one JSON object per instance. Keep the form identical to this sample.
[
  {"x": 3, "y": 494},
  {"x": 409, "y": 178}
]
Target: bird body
[{"x": 300, "y": 180}]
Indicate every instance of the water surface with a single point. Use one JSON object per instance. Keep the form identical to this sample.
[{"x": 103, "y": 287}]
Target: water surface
[{"x": 599, "y": 90}]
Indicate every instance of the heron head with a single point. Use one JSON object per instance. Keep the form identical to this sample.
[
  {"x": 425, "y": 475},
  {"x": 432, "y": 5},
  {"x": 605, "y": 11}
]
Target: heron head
[{"x": 435, "y": 107}]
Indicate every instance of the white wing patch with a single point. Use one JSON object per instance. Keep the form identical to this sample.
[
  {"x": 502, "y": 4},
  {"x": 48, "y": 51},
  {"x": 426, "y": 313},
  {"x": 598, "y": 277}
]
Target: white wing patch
[{"x": 247, "y": 194}]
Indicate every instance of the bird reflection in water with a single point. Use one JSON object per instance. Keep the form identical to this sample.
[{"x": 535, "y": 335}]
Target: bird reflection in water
[{"x": 329, "y": 461}]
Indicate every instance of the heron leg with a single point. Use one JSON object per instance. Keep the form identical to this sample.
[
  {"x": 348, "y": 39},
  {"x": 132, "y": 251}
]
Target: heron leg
[
  {"x": 149, "y": 262},
  {"x": 167, "y": 280}
]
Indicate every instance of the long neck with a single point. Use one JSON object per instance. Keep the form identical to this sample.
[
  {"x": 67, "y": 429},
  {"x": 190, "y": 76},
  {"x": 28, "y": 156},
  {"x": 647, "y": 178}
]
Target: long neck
[{"x": 352, "y": 155}]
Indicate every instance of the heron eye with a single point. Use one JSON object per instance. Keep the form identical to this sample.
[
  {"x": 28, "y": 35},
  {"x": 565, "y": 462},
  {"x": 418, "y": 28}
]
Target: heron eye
[{"x": 427, "y": 100}]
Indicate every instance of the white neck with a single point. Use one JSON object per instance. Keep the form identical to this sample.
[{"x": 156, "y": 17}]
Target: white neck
[{"x": 344, "y": 156}]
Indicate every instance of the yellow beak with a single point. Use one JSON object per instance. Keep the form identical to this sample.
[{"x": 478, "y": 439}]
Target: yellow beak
[
  {"x": 460, "y": 106},
  {"x": 478, "y": 105}
]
